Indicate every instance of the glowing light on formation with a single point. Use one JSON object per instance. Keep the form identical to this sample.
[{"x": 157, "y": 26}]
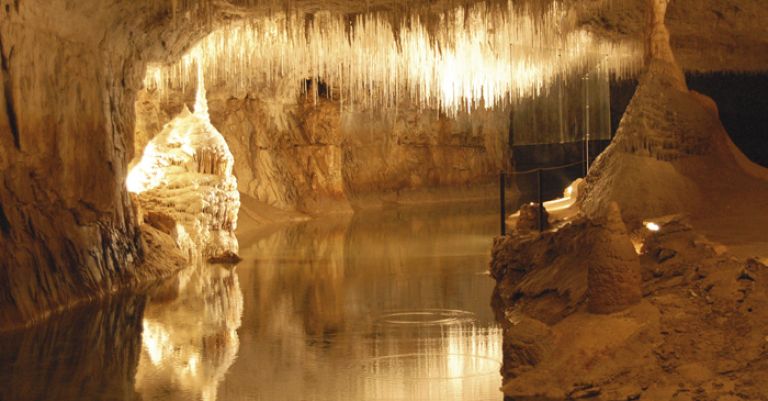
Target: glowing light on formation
[
  {"x": 652, "y": 226},
  {"x": 150, "y": 172},
  {"x": 477, "y": 57}
]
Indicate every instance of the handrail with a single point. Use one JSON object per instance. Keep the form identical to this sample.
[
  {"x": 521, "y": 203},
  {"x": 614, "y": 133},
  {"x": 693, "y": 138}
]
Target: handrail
[{"x": 502, "y": 191}]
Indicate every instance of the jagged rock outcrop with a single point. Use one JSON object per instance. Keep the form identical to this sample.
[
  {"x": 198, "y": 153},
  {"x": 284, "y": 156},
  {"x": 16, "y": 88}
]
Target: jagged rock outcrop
[
  {"x": 679, "y": 322},
  {"x": 613, "y": 277},
  {"x": 529, "y": 218},
  {"x": 696, "y": 333},
  {"x": 553, "y": 274},
  {"x": 69, "y": 74},
  {"x": 68, "y": 229}
]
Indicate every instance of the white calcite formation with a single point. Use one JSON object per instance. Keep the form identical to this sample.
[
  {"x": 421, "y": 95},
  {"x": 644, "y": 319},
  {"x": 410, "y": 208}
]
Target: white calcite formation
[
  {"x": 185, "y": 186},
  {"x": 298, "y": 154}
]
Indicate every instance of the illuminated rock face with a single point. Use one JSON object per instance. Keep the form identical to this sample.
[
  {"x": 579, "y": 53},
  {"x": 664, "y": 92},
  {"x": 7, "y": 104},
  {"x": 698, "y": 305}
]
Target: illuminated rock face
[
  {"x": 576, "y": 323},
  {"x": 297, "y": 154},
  {"x": 630, "y": 335},
  {"x": 67, "y": 227},
  {"x": 69, "y": 75},
  {"x": 477, "y": 57},
  {"x": 185, "y": 174}
]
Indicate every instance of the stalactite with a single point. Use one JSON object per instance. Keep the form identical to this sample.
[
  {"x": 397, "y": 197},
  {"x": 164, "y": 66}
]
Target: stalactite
[{"x": 473, "y": 57}]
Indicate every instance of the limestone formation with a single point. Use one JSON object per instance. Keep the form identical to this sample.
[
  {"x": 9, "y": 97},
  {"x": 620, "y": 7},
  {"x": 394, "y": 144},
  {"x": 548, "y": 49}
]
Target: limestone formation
[
  {"x": 678, "y": 322},
  {"x": 315, "y": 157},
  {"x": 185, "y": 186},
  {"x": 697, "y": 328},
  {"x": 584, "y": 262},
  {"x": 70, "y": 74},
  {"x": 662, "y": 160},
  {"x": 613, "y": 282}
]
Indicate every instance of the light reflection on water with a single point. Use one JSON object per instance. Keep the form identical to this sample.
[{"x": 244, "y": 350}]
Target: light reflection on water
[
  {"x": 189, "y": 338},
  {"x": 382, "y": 306},
  {"x": 379, "y": 306}
]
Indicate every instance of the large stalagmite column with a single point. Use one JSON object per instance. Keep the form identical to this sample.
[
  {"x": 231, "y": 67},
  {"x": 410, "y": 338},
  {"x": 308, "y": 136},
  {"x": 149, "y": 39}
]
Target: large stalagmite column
[
  {"x": 657, "y": 47},
  {"x": 666, "y": 134},
  {"x": 185, "y": 186}
]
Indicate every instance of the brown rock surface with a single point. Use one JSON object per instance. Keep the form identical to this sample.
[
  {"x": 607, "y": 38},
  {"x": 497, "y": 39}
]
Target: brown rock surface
[
  {"x": 553, "y": 274},
  {"x": 528, "y": 219},
  {"x": 297, "y": 155},
  {"x": 698, "y": 331},
  {"x": 671, "y": 153},
  {"x": 613, "y": 279}
]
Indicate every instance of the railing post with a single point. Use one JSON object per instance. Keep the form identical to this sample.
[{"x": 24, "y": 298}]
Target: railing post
[
  {"x": 540, "y": 201},
  {"x": 503, "y": 202}
]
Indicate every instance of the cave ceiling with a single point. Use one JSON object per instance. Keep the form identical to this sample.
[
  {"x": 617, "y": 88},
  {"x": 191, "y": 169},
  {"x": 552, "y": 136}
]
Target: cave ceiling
[{"x": 712, "y": 35}]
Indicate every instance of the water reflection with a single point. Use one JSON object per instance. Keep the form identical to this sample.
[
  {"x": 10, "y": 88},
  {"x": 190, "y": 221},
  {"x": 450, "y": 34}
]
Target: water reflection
[
  {"x": 88, "y": 353},
  {"x": 386, "y": 306},
  {"x": 189, "y": 336}
]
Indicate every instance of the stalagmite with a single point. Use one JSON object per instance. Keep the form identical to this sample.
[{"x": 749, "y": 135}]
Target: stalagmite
[
  {"x": 663, "y": 157},
  {"x": 185, "y": 177},
  {"x": 613, "y": 278}
]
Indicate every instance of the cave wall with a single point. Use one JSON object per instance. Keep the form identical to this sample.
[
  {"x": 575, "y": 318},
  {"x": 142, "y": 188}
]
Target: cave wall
[
  {"x": 309, "y": 154},
  {"x": 411, "y": 156},
  {"x": 69, "y": 74},
  {"x": 67, "y": 224}
]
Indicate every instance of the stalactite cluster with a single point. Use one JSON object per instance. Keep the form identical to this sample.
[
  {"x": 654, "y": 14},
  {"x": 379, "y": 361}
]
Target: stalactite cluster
[{"x": 466, "y": 58}]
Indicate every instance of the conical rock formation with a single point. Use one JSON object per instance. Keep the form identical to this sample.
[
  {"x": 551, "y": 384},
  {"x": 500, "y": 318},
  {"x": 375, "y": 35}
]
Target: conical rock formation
[
  {"x": 670, "y": 150},
  {"x": 185, "y": 186}
]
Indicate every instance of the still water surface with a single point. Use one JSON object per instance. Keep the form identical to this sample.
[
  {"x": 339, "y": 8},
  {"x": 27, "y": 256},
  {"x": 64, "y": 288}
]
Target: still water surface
[{"x": 377, "y": 306}]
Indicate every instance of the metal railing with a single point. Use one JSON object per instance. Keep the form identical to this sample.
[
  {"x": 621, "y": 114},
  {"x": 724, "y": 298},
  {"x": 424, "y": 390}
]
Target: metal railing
[{"x": 503, "y": 175}]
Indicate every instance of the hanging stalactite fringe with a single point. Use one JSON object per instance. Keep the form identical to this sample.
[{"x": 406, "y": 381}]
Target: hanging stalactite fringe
[{"x": 480, "y": 56}]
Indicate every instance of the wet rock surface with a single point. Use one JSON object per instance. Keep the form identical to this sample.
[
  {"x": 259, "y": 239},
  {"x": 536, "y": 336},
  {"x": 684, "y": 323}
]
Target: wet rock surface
[{"x": 679, "y": 319}]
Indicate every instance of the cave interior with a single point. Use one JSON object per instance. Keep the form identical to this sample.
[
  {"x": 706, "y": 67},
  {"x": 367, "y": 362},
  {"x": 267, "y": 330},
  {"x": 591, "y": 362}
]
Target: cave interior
[{"x": 388, "y": 199}]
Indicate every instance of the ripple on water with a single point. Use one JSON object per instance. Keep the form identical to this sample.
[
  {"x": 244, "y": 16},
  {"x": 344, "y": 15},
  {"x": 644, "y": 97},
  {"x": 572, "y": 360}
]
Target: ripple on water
[
  {"x": 428, "y": 366},
  {"x": 426, "y": 317}
]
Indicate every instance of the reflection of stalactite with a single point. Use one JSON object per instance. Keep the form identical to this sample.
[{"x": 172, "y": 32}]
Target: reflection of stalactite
[
  {"x": 190, "y": 337},
  {"x": 83, "y": 354}
]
